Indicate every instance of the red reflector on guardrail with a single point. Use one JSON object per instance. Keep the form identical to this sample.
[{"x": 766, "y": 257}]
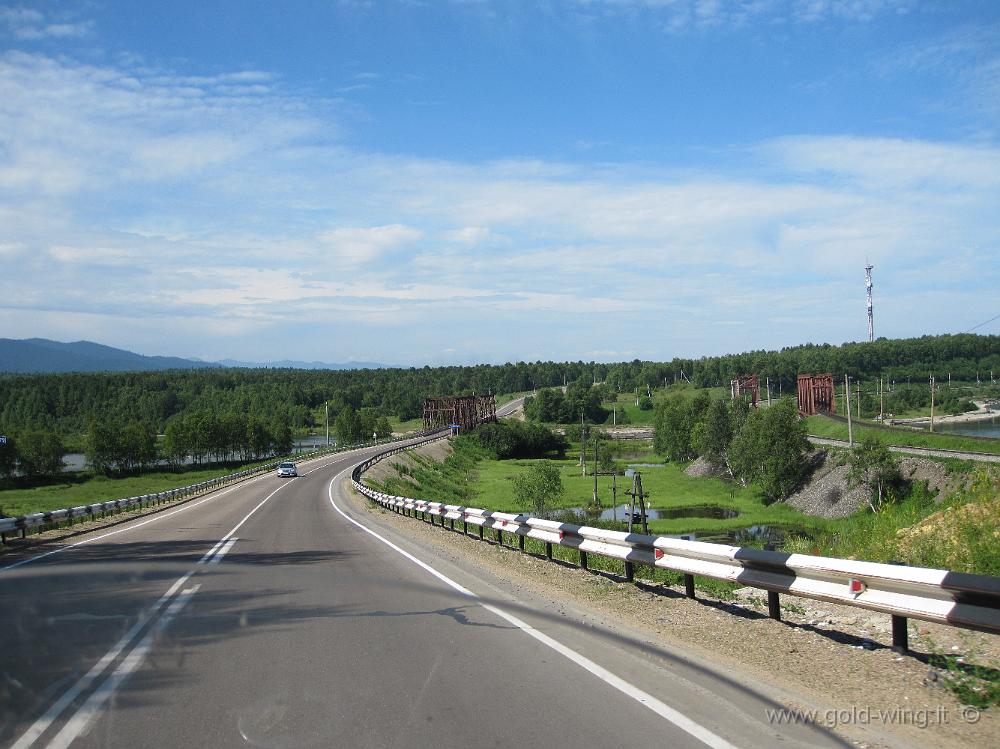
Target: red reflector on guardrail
[
  {"x": 658, "y": 553},
  {"x": 857, "y": 587},
  {"x": 561, "y": 534}
]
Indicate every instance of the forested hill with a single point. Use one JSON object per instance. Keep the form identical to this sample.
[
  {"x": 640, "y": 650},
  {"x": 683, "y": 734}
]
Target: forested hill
[
  {"x": 68, "y": 402},
  {"x": 42, "y": 355}
]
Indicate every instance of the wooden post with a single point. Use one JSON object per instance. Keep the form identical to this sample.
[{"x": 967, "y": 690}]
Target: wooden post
[{"x": 847, "y": 395}]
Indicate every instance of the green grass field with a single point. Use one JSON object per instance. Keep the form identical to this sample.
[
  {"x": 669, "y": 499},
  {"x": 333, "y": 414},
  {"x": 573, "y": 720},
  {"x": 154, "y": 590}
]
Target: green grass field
[
  {"x": 820, "y": 426},
  {"x": 81, "y": 489},
  {"x": 668, "y": 487}
]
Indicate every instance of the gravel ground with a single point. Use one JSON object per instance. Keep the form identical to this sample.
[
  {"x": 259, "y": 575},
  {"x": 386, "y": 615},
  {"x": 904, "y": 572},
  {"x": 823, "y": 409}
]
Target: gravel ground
[
  {"x": 827, "y": 494},
  {"x": 702, "y": 468}
]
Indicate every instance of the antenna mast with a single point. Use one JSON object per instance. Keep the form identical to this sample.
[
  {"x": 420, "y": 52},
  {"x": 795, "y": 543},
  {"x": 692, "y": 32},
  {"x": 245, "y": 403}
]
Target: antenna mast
[{"x": 868, "y": 285}]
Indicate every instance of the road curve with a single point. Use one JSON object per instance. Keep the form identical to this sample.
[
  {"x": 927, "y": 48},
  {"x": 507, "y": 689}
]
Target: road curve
[{"x": 286, "y": 613}]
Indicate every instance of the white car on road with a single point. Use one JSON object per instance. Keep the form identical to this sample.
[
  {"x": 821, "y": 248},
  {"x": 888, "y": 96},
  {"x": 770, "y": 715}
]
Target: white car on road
[{"x": 287, "y": 469}]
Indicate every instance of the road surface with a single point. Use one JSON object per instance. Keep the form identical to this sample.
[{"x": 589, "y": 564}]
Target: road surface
[{"x": 284, "y": 613}]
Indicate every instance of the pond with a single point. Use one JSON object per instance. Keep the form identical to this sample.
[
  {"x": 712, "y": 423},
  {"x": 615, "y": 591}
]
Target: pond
[
  {"x": 73, "y": 462},
  {"x": 716, "y": 512},
  {"x": 754, "y": 535}
]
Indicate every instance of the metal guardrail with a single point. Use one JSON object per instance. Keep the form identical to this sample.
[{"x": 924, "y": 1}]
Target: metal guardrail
[
  {"x": 41, "y": 520},
  {"x": 952, "y": 598}
]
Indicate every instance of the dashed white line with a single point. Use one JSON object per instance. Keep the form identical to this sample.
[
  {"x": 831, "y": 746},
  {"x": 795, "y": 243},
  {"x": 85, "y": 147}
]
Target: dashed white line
[{"x": 211, "y": 557}]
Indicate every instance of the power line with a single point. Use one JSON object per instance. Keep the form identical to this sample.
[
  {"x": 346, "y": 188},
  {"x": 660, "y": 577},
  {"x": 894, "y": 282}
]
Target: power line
[{"x": 982, "y": 324}]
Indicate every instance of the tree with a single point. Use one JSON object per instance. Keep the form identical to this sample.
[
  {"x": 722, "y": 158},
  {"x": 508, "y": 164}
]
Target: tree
[
  {"x": 712, "y": 436},
  {"x": 873, "y": 466},
  {"x": 8, "y": 457},
  {"x": 539, "y": 486},
  {"x": 672, "y": 426},
  {"x": 770, "y": 449},
  {"x": 383, "y": 428},
  {"x": 348, "y": 426},
  {"x": 39, "y": 453}
]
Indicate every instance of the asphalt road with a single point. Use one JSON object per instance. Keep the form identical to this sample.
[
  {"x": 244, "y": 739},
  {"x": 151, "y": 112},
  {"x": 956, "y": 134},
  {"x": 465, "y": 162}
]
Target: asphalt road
[{"x": 277, "y": 614}]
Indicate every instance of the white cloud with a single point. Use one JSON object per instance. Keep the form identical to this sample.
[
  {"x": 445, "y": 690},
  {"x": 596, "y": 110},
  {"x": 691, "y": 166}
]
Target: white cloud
[
  {"x": 358, "y": 245},
  {"x": 29, "y": 24},
  {"x": 170, "y": 201}
]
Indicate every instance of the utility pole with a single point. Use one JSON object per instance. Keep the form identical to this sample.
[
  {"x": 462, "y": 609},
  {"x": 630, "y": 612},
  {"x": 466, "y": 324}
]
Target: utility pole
[
  {"x": 583, "y": 445},
  {"x": 868, "y": 285},
  {"x": 614, "y": 496},
  {"x": 932, "y": 403},
  {"x": 597, "y": 464},
  {"x": 859, "y": 400},
  {"x": 767, "y": 384},
  {"x": 327, "y": 407},
  {"x": 881, "y": 401},
  {"x": 847, "y": 396}
]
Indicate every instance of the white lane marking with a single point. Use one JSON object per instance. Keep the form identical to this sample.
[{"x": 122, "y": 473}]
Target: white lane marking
[
  {"x": 41, "y": 725},
  {"x": 209, "y": 498},
  {"x": 46, "y": 720},
  {"x": 222, "y": 552},
  {"x": 642, "y": 697},
  {"x": 78, "y": 723}
]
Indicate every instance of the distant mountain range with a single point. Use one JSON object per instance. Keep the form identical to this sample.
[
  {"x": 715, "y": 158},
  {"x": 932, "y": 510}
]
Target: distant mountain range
[{"x": 39, "y": 355}]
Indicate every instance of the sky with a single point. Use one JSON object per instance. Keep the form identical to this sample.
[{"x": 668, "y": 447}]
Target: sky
[{"x": 459, "y": 182}]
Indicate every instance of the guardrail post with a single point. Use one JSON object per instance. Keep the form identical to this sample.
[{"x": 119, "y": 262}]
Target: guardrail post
[
  {"x": 499, "y": 537},
  {"x": 629, "y": 571},
  {"x": 453, "y": 523},
  {"x": 548, "y": 550},
  {"x": 520, "y": 542},
  {"x": 900, "y": 636},
  {"x": 482, "y": 533},
  {"x": 773, "y": 606},
  {"x": 583, "y": 560},
  {"x": 465, "y": 526},
  {"x": 689, "y": 586}
]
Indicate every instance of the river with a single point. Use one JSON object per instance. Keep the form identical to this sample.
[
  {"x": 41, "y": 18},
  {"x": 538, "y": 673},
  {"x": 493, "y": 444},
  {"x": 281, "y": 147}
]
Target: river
[{"x": 984, "y": 428}]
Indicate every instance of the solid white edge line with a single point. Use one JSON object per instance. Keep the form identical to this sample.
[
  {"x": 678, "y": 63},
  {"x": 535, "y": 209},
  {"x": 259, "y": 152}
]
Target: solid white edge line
[
  {"x": 643, "y": 698},
  {"x": 212, "y": 556},
  {"x": 82, "y": 717}
]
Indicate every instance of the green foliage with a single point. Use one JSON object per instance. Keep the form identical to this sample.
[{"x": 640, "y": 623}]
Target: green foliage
[
  {"x": 120, "y": 447},
  {"x": 8, "y": 457},
  {"x": 712, "y": 436},
  {"x": 39, "y": 453},
  {"x": 204, "y": 435},
  {"x": 518, "y": 439},
  {"x": 874, "y": 467},
  {"x": 553, "y": 406},
  {"x": 539, "y": 487},
  {"x": 674, "y": 425},
  {"x": 348, "y": 426},
  {"x": 770, "y": 449},
  {"x": 382, "y": 428}
]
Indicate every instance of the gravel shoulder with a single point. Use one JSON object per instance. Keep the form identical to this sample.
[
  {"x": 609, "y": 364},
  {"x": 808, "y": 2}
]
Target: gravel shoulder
[{"x": 822, "y": 656}]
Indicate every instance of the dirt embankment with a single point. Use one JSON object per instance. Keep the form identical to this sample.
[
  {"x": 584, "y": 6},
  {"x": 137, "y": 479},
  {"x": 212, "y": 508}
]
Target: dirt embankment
[
  {"x": 827, "y": 493},
  {"x": 399, "y": 466}
]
